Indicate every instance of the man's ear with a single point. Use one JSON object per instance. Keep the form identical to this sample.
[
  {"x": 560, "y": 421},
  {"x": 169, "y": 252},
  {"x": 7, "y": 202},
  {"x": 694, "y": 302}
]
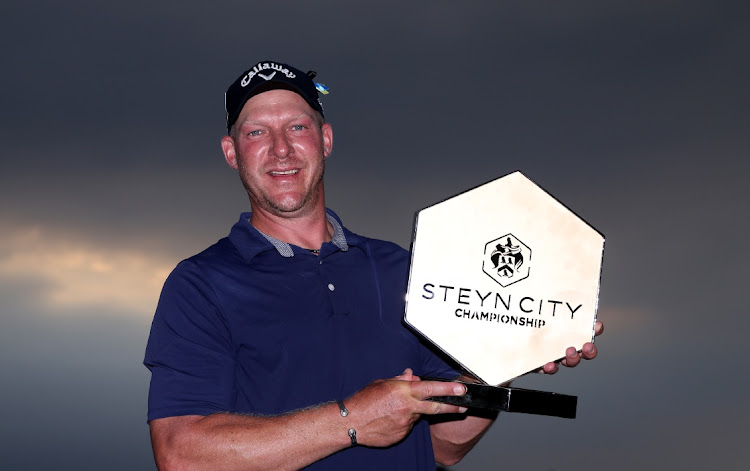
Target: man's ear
[
  {"x": 230, "y": 155},
  {"x": 327, "y": 139}
]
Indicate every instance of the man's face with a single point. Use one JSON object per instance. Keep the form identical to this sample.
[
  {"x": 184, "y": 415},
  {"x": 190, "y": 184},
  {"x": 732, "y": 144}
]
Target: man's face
[{"x": 279, "y": 147}]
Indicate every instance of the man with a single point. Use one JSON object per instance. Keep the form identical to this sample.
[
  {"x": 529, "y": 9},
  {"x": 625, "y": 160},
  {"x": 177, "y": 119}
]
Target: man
[{"x": 268, "y": 350}]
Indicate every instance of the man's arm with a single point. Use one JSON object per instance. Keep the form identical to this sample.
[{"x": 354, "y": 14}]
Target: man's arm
[
  {"x": 452, "y": 440},
  {"x": 382, "y": 414},
  {"x": 231, "y": 441}
]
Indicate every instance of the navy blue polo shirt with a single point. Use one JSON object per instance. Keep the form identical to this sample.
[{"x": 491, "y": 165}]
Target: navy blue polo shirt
[{"x": 244, "y": 327}]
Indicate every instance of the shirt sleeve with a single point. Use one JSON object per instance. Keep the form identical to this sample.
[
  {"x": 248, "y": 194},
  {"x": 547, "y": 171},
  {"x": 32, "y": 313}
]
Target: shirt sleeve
[{"x": 189, "y": 351}]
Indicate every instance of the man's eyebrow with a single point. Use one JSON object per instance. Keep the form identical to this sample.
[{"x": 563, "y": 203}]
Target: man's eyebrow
[{"x": 248, "y": 120}]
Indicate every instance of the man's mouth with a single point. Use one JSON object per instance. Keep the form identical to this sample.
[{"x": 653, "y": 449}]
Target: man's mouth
[{"x": 284, "y": 172}]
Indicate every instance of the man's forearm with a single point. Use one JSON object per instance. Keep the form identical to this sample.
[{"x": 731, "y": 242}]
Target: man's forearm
[
  {"x": 239, "y": 442},
  {"x": 452, "y": 440}
]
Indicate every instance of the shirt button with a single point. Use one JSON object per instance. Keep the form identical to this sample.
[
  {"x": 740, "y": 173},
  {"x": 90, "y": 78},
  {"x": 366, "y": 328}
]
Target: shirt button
[{"x": 331, "y": 287}]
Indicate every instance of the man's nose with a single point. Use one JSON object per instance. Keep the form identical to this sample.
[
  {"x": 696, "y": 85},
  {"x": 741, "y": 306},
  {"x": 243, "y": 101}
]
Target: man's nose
[{"x": 281, "y": 146}]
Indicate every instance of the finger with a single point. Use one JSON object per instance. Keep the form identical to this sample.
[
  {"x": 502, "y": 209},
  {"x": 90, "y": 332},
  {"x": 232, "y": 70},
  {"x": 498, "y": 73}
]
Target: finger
[
  {"x": 589, "y": 351},
  {"x": 572, "y": 358},
  {"x": 550, "y": 368},
  {"x": 426, "y": 389},
  {"x": 598, "y": 328},
  {"x": 435, "y": 408}
]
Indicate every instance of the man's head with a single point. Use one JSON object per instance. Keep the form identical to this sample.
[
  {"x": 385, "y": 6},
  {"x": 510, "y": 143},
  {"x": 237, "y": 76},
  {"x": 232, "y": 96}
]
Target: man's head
[
  {"x": 264, "y": 76},
  {"x": 278, "y": 140}
]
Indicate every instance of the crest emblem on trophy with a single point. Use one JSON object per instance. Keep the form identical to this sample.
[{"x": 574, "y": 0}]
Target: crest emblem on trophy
[{"x": 506, "y": 260}]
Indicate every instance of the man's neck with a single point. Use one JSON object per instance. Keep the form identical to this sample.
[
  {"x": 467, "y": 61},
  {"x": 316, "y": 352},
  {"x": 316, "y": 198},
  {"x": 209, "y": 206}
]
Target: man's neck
[{"x": 308, "y": 231}]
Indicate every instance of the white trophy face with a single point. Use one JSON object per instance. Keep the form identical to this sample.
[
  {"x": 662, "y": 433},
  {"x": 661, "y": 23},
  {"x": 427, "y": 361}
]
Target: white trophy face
[{"x": 504, "y": 278}]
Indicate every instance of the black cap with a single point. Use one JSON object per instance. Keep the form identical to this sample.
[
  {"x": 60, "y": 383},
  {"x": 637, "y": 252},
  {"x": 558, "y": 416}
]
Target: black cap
[{"x": 269, "y": 75}]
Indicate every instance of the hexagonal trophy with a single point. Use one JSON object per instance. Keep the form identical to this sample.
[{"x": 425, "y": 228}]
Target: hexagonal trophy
[{"x": 503, "y": 279}]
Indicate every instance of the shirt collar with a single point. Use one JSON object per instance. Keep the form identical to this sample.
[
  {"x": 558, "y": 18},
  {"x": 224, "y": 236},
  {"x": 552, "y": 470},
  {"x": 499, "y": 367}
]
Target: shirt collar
[
  {"x": 250, "y": 241},
  {"x": 338, "y": 239}
]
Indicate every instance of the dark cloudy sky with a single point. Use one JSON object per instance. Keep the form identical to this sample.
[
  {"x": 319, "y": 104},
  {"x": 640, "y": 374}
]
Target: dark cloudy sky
[{"x": 636, "y": 114}]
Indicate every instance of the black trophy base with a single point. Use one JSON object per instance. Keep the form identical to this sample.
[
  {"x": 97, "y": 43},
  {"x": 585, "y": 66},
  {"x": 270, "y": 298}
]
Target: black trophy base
[{"x": 527, "y": 401}]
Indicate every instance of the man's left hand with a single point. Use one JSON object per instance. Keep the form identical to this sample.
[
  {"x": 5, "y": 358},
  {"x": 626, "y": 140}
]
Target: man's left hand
[{"x": 572, "y": 356}]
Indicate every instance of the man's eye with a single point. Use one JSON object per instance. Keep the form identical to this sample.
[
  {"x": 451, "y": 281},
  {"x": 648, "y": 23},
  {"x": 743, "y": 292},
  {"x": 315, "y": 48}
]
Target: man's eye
[
  {"x": 254, "y": 133},
  {"x": 298, "y": 127}
]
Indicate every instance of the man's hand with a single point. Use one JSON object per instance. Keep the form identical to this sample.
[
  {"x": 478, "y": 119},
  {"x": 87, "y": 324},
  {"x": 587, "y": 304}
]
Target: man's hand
[
  {"x": 385, "y": 411},
  {"x": 572, "y": 357}
]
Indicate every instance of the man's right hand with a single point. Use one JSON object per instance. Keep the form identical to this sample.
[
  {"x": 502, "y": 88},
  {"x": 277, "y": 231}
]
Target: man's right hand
[{"x": 385, "y": 411}]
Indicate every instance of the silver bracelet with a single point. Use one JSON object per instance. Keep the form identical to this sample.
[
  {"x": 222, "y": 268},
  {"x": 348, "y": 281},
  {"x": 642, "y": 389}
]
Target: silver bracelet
[
  {"x": 345, "y": 412},
  {"x": 342, "y": 408}
]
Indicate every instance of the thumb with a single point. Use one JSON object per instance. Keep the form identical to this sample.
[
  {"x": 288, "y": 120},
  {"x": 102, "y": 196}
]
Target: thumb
[{"x": 407, "y": 375}]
